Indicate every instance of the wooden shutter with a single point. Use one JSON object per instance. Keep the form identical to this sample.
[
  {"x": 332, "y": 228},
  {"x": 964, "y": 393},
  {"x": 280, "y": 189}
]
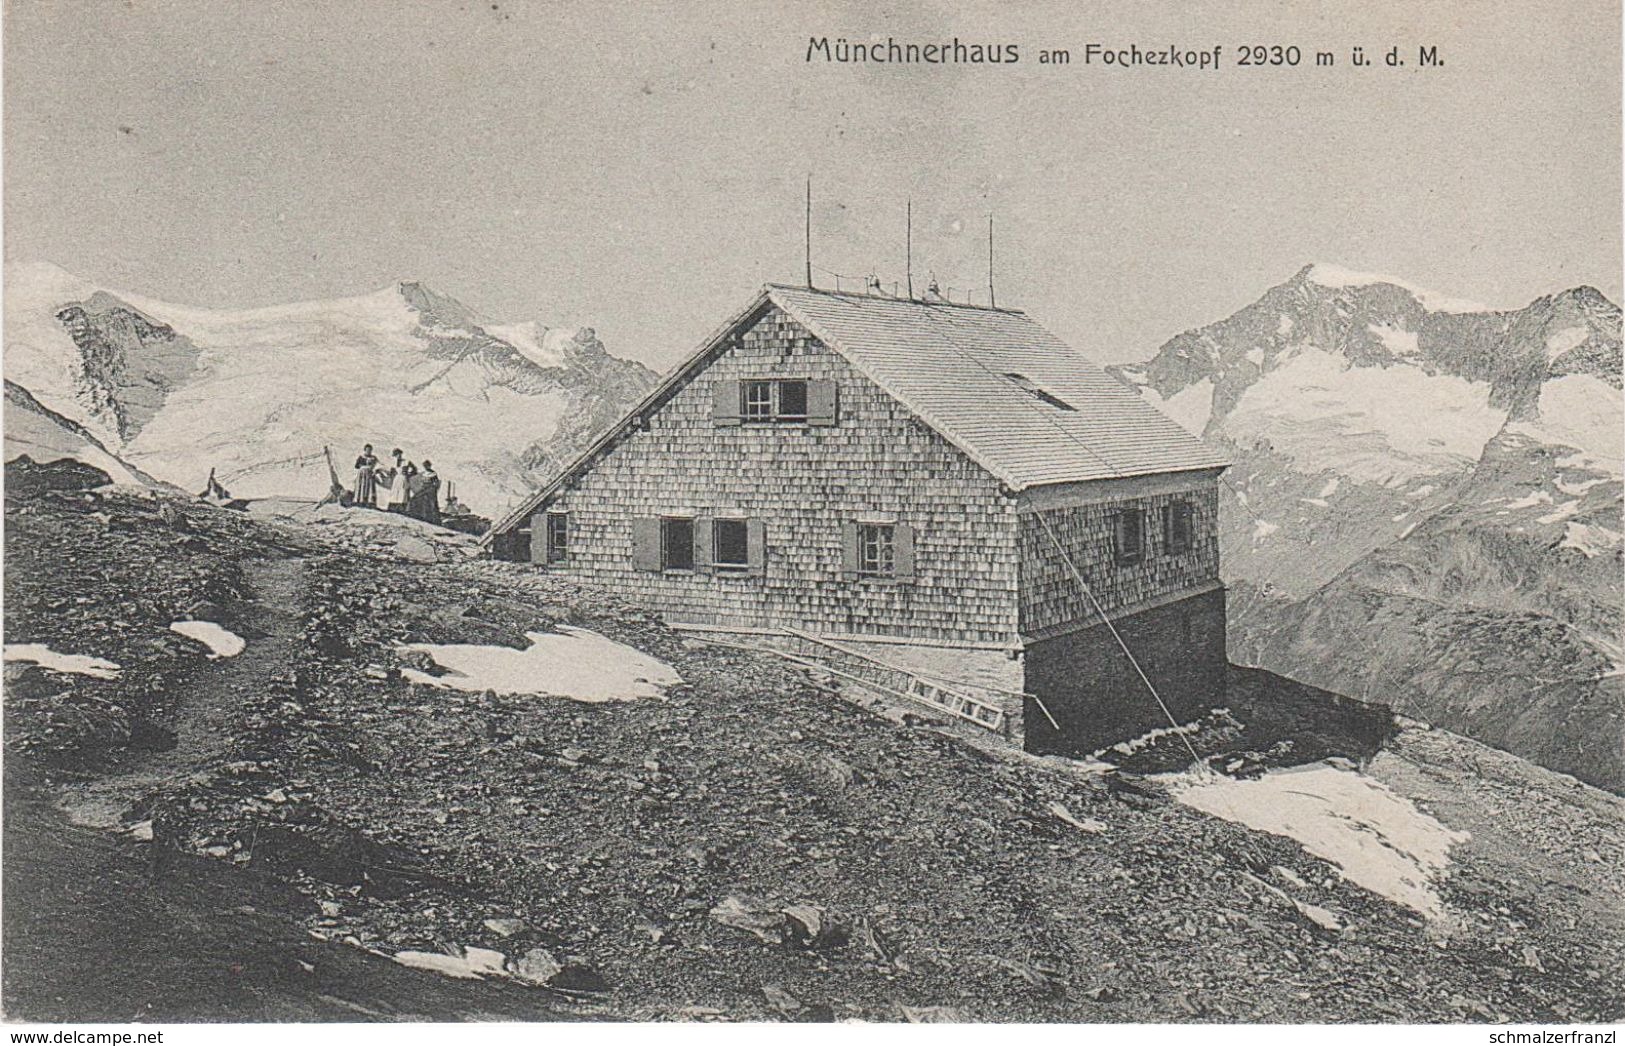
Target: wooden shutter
[
  {"x": 538, "y": 538},
  {"x": 849, "y": 550},
  {"x": 724, "y": 404},
  {"x": 646, "y": 544},
  {"x": 1168, "y": 529},
  {"x": 822, "y": 407},
  {"x": 755, "y": 547},
  {"x": 704, "y": 541},
  {"x": 903, "y": 552}
]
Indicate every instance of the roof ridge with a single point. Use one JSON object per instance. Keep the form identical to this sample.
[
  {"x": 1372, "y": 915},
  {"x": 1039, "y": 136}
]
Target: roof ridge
[{"x": 888, "y": 299}]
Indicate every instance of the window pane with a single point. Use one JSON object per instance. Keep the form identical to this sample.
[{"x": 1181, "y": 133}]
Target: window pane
[
  {"x": 757, "y": 399},
  {"x": 1130, "y": 532},
  {"x": 677, "y": 544},
  {"x": 792, "y": 399},
  {"x": 877, "y": 552},
  {"x": 558, "y": 536},
  {"x": 731, "y": 543}
]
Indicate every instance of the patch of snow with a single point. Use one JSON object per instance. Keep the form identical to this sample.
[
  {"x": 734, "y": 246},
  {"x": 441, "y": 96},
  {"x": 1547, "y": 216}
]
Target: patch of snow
[
  {"x": 1421, "y": 492},
  {"x": 221, "y": 643},
  {"x": 1578, "y": 489},
  {"x": 1322, "y": 502},
  {"x": 1149, "y": 738},
  {"x": 1263, "y": 529},
  {"x": 1559, "y": 342},
  {"x": 1335, "y": 276},
  {"x": 1407, "y": 531},
  {"x": 1379, "y": 840},
  {"x": 1591, "y": 540},
  {"x": 76, "y": 664},
  {"x": 1190, "y": 407},
  {"x": 1563, "y": 511},
  {"x": 1256, "y": 356},
  {"x": 1385, "y": 425},
  {"x": 1284, "y": 324},
  {"x": 1401, "y": 516},
  {"x": 1396, "y": 340},
  {"x": 441, "y": 963},
  {"x": 1531, "y": 499},
  {"x": 46, "y": 441},
  {"x": 1585, "y": 413},
  {"x": 543, "y": 346},
  {"x": 572, "y": 663},
  {"x": 1330, "y": 488}
]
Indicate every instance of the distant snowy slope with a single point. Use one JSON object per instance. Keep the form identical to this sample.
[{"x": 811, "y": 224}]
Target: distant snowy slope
[
  {"x": 256, "y": 394},
  {"x": 1419, "y": 482}
]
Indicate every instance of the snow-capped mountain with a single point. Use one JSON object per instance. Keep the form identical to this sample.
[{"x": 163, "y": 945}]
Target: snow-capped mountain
[
  {"x": 255, "y": 394},
  {"x": 1425, "y": 507}
]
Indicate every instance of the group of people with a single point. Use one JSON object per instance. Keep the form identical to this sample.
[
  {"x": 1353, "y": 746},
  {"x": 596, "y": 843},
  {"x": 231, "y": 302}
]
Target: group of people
[{"x": 398, "y": 487}]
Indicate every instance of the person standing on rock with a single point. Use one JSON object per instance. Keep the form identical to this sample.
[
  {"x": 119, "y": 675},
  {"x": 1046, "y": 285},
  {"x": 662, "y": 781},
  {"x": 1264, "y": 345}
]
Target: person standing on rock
[
  {"x": 425, "y": 502},
  {"x": 399, "y": 482},
  {"x": 365, "y": 493}
]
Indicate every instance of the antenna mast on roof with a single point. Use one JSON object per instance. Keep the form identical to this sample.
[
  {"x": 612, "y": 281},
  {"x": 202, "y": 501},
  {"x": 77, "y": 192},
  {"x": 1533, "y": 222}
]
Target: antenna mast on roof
[
  {"x": 990, "y": 302},
  {"x": 908, "y": 241},
  {"x": 809, "y": 231}
]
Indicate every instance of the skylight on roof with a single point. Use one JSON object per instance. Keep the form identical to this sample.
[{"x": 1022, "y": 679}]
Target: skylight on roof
[{"x": 1025, "y": 384}]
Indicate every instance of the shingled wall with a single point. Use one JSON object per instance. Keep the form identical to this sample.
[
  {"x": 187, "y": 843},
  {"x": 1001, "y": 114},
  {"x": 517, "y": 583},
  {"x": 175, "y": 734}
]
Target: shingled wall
[
  {"x": 878, "y": 463},
  {"x": 1051, "y": 601}
]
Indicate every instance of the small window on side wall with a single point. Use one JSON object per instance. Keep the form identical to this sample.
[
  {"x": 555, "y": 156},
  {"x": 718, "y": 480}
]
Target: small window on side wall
[
  {"x": 676, "y": 543},
  {"x": 558, "y": 537},
  {"x": 877, "y": 550},
  {"x": 730, "y": 543},
  {"x": 1128, "y": 534},
  {"x": 1178, "y": 527}
]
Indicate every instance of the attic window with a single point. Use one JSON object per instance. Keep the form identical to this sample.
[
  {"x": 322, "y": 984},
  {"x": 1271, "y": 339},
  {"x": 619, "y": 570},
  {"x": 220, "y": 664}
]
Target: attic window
[{"x": 1026, "y": 385}]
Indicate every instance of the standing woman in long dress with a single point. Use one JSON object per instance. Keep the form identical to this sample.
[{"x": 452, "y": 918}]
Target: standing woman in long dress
[
  {"x": 400, "y": 492},
  {"x": 366, "y": 479}
]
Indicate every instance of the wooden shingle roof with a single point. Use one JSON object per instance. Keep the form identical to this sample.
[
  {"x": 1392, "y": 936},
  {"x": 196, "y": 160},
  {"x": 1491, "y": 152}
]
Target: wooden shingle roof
[
  {"x": 1011, "y": 395},
  {"x": 1015, "y": 398}
]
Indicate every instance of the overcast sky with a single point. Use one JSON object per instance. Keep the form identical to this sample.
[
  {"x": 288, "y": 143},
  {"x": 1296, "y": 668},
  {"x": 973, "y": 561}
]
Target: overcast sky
[{"x": 642, "y": 171}]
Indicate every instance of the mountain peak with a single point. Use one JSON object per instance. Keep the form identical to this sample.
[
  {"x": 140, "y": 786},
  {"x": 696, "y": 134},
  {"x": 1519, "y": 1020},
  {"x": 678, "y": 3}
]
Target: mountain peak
[{"x": 1336, "y": 277}]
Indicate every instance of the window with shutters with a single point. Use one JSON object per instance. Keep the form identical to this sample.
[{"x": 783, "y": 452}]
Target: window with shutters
[
  {"x": 558, "y": 537},
  {"x": 1128, "y": 534},
  {"x": 730, "y": 543},
  {"x": 788, "y": 400},
  {"x": 877, "y": 550},
  {"x": 1178, "y": 527},
  {"x": 676, "y": 543}
]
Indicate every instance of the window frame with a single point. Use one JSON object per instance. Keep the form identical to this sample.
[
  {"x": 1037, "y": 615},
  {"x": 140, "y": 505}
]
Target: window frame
[
  {"x": 718, "y": 564},
  {"x": 753, "y": 410},
  {"x": 779, "y": 412},
  {"x": 1179, "y": 526},
  {"x": 757, "y": 410},
  {"x": 883, "y": 564},
  {"x": 666, "y": 544},
  {"x": 558, "y": 540},
  {"x": 1121, "y": 528}
]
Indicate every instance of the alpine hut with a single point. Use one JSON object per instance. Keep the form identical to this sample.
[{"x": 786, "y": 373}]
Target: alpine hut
[{"x": 945, "y": 488}]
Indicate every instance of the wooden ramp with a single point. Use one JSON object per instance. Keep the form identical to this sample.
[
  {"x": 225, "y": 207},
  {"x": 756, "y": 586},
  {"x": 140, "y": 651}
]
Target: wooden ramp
[{"x": 978, "y": 705}]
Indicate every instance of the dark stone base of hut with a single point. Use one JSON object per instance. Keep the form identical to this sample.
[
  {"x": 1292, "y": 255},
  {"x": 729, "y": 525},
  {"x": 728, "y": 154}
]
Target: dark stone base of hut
[{"x": 1093, "y": 692}]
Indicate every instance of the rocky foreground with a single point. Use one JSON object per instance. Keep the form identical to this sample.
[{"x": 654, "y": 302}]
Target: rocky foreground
[{"x": 299, "y": 831}]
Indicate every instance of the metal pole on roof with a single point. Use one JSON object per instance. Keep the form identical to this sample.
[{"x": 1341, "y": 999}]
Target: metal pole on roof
[
  {"x": 908, "y": 240},
  {"x": 809, "y": 231},
  {"x": 990, "y": 302}
]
